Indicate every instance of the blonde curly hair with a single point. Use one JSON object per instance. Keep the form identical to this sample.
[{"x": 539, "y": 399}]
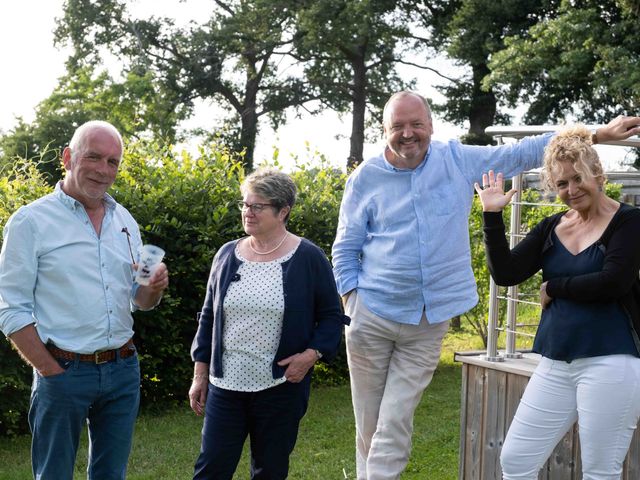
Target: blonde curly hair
[{"x": 574, "y": 145}]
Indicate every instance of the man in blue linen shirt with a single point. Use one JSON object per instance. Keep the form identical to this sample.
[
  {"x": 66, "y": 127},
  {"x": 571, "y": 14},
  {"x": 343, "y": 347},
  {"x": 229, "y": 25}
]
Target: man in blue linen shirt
[
  {"x": 66, "y": 296},
  {"x": 402, "y": 263}
]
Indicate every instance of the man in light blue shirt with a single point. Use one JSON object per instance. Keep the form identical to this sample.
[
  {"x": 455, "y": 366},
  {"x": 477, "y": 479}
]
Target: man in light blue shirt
[
  {"x": 66, "y": 297},
  {"x": 402, "y": 263}
]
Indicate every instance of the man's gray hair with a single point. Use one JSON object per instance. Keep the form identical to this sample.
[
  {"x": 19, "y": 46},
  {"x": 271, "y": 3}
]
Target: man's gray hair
[{"x": 80, "y": 135}]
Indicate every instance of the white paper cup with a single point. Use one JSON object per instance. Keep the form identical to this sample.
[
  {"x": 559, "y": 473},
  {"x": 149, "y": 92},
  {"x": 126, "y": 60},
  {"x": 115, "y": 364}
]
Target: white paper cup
[{"x": 150, "y": 258}]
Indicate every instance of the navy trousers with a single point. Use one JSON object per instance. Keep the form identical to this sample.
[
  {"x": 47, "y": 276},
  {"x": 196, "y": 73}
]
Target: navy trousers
[{"x": 270, "y": 417}]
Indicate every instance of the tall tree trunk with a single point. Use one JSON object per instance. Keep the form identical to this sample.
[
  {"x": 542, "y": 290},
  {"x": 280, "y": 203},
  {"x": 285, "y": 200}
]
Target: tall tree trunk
[
  {"x": 248, "y": 135},
  {"x": 249, "y": 120},
  {"x": 359, "y": 96},
  {"x": 483, "y": 108}
]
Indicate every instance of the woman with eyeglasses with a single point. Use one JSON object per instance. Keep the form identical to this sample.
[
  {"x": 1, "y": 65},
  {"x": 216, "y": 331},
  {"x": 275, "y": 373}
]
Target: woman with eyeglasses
[{"x": 271, "y": 311}]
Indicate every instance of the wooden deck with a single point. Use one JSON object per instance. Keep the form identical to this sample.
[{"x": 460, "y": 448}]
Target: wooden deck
[{"x": 490, "y": 395}]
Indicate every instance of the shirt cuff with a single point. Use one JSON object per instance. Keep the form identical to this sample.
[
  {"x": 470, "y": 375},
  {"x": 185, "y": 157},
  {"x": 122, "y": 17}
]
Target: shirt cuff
[{"x": 14, "y": 325}]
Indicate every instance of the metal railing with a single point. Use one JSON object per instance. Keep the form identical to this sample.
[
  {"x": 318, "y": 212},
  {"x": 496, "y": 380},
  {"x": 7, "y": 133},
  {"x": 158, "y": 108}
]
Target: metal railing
[{"x": 515, "y": 235}]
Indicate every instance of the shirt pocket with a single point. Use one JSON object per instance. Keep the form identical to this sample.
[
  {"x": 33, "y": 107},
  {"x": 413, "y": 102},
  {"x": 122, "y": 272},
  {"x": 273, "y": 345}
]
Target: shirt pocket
[{"x": 445, "y": 203}]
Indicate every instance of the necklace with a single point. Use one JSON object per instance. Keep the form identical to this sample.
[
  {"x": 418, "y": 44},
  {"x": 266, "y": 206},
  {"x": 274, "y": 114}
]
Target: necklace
[{"x": 270, "y": 251}]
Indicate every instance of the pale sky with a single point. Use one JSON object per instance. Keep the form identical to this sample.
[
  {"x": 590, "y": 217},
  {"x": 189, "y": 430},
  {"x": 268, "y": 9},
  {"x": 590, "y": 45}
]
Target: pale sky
[{"x": 32, "y": 65}]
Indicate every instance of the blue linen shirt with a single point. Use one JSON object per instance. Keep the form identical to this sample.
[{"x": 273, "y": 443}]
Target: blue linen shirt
[
  {"x": 403, "y": 234},
  {"x": 56, "y": 272}
]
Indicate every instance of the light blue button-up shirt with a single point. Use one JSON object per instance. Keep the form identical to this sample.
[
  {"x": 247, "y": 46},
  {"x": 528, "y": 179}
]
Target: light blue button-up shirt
[
  {"x": 403, "y": 235},
  {"x": 56, "y": 272}
]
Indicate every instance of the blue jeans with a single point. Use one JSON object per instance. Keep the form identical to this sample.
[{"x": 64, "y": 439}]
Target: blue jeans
[
  {"x": 270, "y": 418},
  {"x": 106, "y": 397}
]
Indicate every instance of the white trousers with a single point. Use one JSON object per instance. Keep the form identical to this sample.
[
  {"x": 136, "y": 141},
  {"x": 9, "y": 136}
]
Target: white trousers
[
  {"x": 602, "y": 393},
  {"x": 390, "y": 365}
]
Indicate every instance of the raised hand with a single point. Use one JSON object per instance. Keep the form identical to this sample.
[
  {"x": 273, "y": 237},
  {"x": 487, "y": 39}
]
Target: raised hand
[{"x": 492, "y": 193}]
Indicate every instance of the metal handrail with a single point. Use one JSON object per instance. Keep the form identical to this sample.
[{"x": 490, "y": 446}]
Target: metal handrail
[
  {"x": 521, "y": 131},
  {"x": 517, "y": 300},
  {"x": 517, "y": 132}
]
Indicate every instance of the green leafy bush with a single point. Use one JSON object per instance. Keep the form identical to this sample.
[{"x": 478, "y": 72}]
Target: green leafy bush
[
  {"x": 315, "y": 217},
  {"x": 187, "y": 205},
  {"x": 19, "y": 185}
]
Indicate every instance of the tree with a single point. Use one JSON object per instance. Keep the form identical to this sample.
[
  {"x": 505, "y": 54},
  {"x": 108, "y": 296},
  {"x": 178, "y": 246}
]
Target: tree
[
  {"x": 350, "y": 49},
  {"x": 470, "y": 32},
  {"x": 582, "y": 61},
  {"x": 20, "y": 142},
  {"x": 132, "y": 105},
  {"x": 232, "y": 57}
]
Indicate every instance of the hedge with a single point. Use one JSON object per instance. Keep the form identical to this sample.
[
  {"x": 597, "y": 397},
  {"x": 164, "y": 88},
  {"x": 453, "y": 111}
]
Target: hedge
[{"x": 186, "y": 204}]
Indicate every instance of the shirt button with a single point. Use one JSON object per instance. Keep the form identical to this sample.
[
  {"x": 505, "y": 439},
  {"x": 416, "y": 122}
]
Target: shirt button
[
  {"x": 107, "y": 287},
  {"x": 110, "y": 311}
]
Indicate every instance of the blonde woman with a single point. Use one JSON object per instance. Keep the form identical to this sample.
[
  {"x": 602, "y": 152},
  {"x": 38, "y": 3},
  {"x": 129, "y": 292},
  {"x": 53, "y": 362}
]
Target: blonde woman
[{"x": 588, "y": 333}]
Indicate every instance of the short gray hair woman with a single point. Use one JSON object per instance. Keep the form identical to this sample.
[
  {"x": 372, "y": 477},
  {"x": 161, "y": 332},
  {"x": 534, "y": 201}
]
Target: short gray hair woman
[{"x": 271, "y": 311}]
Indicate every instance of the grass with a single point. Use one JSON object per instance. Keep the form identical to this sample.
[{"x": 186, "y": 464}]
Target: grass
[{"x": 166, "y": 445}]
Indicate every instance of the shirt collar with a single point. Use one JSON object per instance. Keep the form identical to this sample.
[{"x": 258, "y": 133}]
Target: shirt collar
[
  {"x": 73, "y": 204},
  {"x": 420, "y": 166}
]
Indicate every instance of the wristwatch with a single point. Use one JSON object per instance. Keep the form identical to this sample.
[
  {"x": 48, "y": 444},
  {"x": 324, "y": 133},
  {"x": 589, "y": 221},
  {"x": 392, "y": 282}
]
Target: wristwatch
[{"x": 318, "y": 353}]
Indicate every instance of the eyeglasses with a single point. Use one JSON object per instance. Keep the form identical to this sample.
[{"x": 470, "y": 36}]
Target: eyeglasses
[
  {"x": 125, "y": 230},
  {"x": 254, "y": 207}
]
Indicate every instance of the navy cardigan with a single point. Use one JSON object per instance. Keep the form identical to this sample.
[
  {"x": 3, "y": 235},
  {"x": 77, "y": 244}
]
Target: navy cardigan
[{"x": 313, "y": 315}]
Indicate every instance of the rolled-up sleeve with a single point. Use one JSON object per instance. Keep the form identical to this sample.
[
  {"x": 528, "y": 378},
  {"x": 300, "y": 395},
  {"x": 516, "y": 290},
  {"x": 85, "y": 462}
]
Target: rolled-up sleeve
[
  {"x": 328, "y": 315},
  {"x": 18, "y": 273},
  {"x": 350, "y": 237}
]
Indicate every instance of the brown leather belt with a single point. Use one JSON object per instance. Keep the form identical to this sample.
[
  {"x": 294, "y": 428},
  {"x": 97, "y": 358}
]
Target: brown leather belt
[{"x": 127, "y": 350}]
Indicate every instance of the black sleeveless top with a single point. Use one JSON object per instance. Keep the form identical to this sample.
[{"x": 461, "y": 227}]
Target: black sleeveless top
[{"x": 570, "y": 329}]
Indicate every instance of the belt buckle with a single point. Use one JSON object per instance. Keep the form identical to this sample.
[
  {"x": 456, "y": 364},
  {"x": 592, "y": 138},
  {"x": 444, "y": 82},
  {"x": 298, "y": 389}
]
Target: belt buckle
[{"x": 97, "y": 358}]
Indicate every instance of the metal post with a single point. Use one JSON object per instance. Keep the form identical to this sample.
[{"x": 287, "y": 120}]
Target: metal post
[
  {"x": 512, "y": 293},
  {"x": 492, "y": 332},
  {"x": 492, "y": 324}
]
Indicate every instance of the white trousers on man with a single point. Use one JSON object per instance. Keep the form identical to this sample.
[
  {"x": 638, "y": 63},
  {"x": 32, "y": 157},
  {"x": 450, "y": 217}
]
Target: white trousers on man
[
  {"x": 390, "y": 365},
  {"x": 602, "y": 393}
]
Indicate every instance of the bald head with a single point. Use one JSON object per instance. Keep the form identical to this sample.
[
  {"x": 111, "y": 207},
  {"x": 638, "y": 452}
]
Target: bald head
[
  {"x": 83, "y": 132},
  {"x": 400, "y": 95}
]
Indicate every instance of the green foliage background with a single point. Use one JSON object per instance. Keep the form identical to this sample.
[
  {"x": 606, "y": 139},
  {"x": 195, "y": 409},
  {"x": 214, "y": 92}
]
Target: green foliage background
[
  {"x": 186, "y": 204},
  {"x": 18, "y": 186}
]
